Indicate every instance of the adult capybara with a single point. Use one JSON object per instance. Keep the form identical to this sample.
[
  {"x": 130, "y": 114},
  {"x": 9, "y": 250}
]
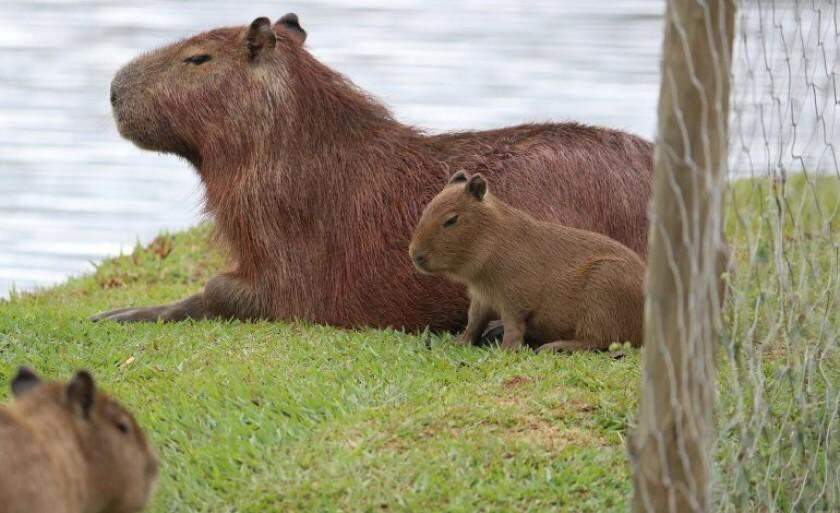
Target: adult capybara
[
  {"x": 315, "y": 187},
  {"x": 564, "y": 287},
  {"x": 68, "y": 448}
]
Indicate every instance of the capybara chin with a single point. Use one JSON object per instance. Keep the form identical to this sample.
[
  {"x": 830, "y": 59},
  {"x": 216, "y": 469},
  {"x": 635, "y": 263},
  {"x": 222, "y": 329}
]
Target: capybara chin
[
  {"x": 568, "y": 289},
  {"x": 315, "y": 187},
  {"x": 68, "y": 448}
]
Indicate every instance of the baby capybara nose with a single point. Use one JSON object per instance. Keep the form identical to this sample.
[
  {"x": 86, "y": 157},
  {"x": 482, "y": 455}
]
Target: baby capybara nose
[{"x": 419, "y": 259}]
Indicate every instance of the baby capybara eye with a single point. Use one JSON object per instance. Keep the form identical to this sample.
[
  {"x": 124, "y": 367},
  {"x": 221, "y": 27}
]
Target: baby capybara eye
[
  {"x": 198, "y": 59},
  {"x": 451, "y": 221}
]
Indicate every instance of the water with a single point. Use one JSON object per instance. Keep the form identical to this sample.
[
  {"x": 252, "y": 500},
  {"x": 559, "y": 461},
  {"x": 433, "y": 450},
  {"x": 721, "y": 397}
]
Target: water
[{"x": 72, "y": 192}]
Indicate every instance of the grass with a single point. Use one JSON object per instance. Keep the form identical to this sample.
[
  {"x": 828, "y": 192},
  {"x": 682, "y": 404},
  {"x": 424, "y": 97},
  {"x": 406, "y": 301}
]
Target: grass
[{"x": 254, "y": 417}]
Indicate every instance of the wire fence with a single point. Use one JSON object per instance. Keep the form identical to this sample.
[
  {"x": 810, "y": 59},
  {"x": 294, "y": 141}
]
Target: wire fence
[
  {"x": 778, "y": 414},
  {"x": 770, "y": 441}
]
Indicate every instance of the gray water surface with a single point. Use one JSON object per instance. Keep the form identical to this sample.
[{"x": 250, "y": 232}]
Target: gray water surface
[{"x": 72, "y": 192}]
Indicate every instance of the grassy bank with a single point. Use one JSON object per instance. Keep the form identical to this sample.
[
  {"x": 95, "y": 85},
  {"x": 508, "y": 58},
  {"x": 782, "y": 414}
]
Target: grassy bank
[{"x": 297, "y": 417}]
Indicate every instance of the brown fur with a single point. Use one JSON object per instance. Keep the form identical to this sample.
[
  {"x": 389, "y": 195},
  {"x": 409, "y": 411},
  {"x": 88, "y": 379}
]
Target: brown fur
[
  {"x": 66, "y": 448},
  {"x": 568, "y": 288},
  {"x": 315, "y": 187}
]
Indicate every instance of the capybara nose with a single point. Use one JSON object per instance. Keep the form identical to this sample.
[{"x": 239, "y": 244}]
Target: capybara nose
[
  {"x": 113, "y": 94},
  {"x": 419, "y": 259}
]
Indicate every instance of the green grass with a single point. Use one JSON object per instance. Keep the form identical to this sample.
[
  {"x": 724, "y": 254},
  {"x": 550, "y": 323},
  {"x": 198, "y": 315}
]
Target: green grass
[{"x": 254, "y": 417}]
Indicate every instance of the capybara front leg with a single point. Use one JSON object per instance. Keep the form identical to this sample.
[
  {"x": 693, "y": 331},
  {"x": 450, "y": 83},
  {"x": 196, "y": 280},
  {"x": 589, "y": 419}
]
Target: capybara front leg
[
  {"x": 189, "y": 308},
  {"x": 514, "y": 333},
  {"x": 223, "y": 297},
  {"x": 570, "y": 345},
  {"x": 229, "y": 298},
  {"x": 479, "y": 315}
]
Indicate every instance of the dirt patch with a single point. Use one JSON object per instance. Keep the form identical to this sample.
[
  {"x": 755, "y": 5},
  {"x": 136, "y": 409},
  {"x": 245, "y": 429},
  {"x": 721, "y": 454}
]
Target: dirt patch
[
  {"x": 516, "y": 381},
  {"x": 161, "y": 246},
  {"x": 552, "y": 436},
  {"x": 528, "y": 428},
  {"x": 581, "y": 405},
  {"x": 113, "y": 282}
]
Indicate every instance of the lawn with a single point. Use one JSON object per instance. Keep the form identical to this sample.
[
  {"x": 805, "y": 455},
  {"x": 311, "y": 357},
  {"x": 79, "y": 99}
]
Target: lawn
[{"x": 254, "y": 417}]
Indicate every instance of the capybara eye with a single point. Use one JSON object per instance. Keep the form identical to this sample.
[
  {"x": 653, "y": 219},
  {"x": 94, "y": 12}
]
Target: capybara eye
[
  {"x": 451, "y": 221},
  {"x": 198, "y": 59},
  {"x": 122, "y": 426}
]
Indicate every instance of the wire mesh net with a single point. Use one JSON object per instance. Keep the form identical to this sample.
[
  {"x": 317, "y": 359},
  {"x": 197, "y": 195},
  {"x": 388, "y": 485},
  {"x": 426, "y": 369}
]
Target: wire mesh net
[
  {"x": 774, "y": 445},
  {"x": 778, "y": 403}
]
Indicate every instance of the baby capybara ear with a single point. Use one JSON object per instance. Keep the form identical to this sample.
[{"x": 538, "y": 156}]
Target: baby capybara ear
[
  {"x": 290, "y": 25},
  {"x": 260, "y": 37},
  {"x": 477, "y": 186},
  {"x": 459, "y": 177},
  {"x": 81, "y": 392},
  {"x": 24, "y": 381}
]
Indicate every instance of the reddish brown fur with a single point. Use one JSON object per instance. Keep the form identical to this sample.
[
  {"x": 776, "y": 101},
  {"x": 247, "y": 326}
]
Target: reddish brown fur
[
  {"x": 315, "y": 187},
  {"x": 60, "y": 456},
  {"x": 563, "y": 287}
]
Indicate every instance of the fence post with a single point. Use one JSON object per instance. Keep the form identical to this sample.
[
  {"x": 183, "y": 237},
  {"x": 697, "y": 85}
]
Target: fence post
[{"x": 671, "y": 450}]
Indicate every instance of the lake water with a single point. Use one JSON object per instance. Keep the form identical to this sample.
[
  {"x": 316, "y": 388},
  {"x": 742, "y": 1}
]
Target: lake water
[{"x": 72, "y": 192}]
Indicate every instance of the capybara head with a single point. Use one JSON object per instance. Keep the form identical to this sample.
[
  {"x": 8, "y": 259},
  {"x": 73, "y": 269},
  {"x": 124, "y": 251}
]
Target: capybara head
[
  {"x": 120, "y": 463},
  {"x": 451, "y": 233},
  {"x": 221, "y": 84}
]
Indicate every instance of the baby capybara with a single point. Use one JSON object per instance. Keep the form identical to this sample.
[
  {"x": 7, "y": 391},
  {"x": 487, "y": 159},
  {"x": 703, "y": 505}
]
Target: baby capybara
[
  {"x": 314, "y": 186},
  {"x": 69, "y": 448},
  {"x": 564, "y": 287}
]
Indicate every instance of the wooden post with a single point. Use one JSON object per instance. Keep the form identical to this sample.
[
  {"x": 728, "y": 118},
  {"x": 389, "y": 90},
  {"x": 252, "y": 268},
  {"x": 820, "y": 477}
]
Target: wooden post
[{"x": 672, "y": 449}]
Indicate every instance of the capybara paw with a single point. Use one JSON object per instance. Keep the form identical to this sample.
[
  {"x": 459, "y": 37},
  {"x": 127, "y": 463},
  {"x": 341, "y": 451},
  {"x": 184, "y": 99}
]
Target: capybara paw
[
  {"x": 515, "y": 346},
  {"x": 493, "y": 334},
  {"x": 566, "y": 346},
  {"x": 463, "y": 340},
  {"x": 129, "y": 315},
  {"x": 554, "y": 347}
]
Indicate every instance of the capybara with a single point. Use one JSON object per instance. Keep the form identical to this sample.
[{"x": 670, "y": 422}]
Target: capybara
[
  {"x": 69, "y": 448},
  {"x": 315, "y": 187},
  {"x": 567, "y": 288}
]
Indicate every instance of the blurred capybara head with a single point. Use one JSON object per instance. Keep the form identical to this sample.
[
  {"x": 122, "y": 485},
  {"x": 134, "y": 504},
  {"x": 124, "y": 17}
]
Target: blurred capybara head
[
  {"x": 453, "y": 230},
  {"x": 219, "y": 84},
  {"x": 117, "y": 456}
]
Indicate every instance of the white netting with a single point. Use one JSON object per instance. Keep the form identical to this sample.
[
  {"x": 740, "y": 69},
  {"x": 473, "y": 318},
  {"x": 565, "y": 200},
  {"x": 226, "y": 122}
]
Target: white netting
[
  {"x": 778, "y": 403},
  {"x": 775, "y": 445}
]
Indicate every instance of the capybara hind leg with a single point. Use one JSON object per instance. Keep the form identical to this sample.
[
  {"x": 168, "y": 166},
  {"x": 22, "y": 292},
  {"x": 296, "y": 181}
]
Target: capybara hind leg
[
  {"x": 570, "y": 345},
  {"x": 223, "y": 297},
  {"x": 612, "y": 305}
]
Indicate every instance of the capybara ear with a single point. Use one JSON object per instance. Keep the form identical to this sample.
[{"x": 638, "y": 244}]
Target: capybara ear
[
  {"x": 260, "y": 37},
  {"x": 477, "y": 186},
  {"x": 24, "y": 381},
  {"x": 80, "y": 392},
  {"x": 290, "y": 25},
  {"x": 458, "y": 177}
]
